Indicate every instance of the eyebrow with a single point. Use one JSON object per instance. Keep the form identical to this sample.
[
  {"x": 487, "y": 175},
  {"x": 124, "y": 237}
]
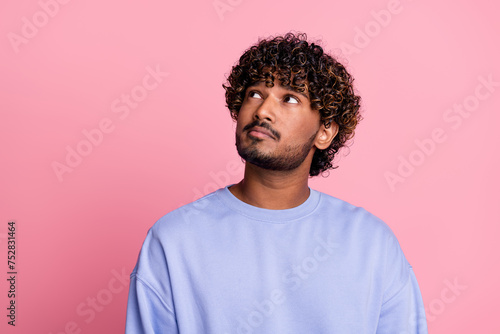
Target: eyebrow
[{"x": 288, "y": 88}]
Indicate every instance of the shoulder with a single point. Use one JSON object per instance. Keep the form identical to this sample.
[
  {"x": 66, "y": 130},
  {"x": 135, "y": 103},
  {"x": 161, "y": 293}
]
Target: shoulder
[
  {"x": 183, "y": 218},
  {"x": 355, "y": 218},
  {"x": 371, "y": 238},
  {"x": 364, "y": 231},
  {"x": 174, "y": 228}
]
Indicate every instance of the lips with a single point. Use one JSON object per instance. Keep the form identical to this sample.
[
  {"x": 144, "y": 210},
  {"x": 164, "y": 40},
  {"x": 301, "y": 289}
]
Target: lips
[{"x": 260, "y": 132}]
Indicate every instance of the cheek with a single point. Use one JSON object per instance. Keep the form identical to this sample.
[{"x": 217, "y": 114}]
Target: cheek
[
  {"x": 240, "y": 123},
  {"x": 239, "y": 127},
  {"x": 302, "y": 128},
  {"x": 244, "y": 117}
]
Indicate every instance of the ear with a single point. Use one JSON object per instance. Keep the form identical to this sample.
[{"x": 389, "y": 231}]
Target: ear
[{"x": 325, "y": 135}]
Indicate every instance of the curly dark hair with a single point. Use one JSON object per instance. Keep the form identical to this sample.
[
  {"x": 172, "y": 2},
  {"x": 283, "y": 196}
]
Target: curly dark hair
[{"x": 303, "y": 67}]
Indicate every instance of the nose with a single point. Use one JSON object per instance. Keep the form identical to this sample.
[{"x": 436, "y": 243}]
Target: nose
[{"x": 266, "y": 110}]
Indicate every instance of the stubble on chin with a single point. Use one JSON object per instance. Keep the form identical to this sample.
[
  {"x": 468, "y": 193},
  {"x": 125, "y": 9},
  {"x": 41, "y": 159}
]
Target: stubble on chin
[{"x": 291, "y": 158}]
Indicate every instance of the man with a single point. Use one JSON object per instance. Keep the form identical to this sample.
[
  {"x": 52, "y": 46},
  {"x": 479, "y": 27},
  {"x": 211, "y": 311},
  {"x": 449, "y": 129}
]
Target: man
[{"x": 269, "y": 254}]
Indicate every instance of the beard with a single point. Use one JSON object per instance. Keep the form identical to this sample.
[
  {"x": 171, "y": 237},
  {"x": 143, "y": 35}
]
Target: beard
[{"x": 287, "y": 159}]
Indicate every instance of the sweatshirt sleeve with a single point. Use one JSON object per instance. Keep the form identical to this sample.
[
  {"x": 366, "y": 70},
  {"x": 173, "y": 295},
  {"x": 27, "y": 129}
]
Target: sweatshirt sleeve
[
  {"x": 150, "y": 307},
  {"x": 404, "y": 313},
  {"x": 147, "y": 313},
  {"x": 402, "y": 310}
]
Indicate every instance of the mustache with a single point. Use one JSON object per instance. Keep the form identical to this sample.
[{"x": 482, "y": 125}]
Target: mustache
[{"x": 264, "y": 125}]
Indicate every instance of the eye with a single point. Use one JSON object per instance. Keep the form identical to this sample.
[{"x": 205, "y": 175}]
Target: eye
[
  {"x": 254, "y": 94},
  {"x": 291, "y": 99}
]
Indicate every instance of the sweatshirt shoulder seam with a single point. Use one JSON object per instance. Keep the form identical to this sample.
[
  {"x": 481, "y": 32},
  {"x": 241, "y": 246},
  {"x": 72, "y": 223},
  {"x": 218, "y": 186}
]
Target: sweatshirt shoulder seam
[{"x": 149, "y": 287}]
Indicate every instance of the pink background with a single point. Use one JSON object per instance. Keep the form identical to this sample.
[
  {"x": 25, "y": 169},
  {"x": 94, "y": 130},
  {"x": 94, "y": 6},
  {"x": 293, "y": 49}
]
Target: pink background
[{"x": 413, "y": 61}]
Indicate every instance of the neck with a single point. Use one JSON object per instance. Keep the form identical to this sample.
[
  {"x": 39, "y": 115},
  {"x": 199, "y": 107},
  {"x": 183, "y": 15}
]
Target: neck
[{"x": 275, "y": 190}]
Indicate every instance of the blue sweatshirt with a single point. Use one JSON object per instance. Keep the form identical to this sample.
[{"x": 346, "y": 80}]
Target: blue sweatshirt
[{"x": 221, "y": 266}]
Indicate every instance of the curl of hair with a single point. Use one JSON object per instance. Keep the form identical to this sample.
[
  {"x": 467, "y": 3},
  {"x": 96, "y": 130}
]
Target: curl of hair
[{"x": 303, "y": 67}]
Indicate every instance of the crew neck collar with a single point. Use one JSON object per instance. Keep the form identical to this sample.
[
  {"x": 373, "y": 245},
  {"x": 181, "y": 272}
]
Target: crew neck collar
[{"x": 269, "y": 215}]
